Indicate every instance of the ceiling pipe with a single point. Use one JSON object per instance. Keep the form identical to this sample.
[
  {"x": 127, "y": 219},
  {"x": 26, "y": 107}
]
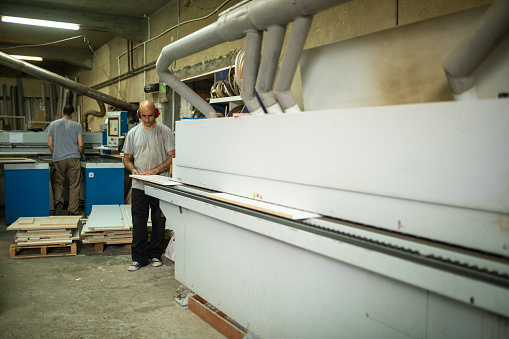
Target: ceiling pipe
[
  {"x": 491, "y": 30},
  {"x": 282, "y": 88},
  {"x": 41, "y": 73},
  {"x": 251, "y": 62},
  {"x": 100, "y": 113},
  {"x": 268, "y": 67},
  {"x": 233, "y": 24}
]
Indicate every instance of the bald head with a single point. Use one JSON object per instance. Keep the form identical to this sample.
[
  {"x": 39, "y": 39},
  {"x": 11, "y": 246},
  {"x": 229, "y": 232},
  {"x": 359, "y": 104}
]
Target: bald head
[
  {"x": 147, "y": 105},
  {"x": 147, "y": 113}
]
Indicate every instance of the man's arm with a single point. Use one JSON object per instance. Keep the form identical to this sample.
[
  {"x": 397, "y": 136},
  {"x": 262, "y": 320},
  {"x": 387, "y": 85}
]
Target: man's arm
[
  {"x": 81, "y": 144},
  {"x": 163, "y": 167},
  {"x": 129, "y": 163},
  {"x": 50, "y": 144}
]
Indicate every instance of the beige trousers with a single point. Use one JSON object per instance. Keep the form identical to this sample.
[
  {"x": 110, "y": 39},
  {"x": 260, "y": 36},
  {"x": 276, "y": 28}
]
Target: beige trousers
[{"x": 72, "y": 168}]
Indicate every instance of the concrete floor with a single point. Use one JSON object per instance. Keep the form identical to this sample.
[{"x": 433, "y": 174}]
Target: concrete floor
[{"x": 91, "y": 296}]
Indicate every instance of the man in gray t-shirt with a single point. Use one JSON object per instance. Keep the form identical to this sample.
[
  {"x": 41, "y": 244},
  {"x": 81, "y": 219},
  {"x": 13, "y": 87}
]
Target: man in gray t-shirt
[
  {"x": 65, "y": 141},
  {"x": 149, "y": 149}
]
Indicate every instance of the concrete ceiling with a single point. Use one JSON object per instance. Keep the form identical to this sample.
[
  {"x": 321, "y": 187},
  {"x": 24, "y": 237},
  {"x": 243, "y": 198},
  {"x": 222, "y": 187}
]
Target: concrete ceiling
[{"x": 100, "y": 21}]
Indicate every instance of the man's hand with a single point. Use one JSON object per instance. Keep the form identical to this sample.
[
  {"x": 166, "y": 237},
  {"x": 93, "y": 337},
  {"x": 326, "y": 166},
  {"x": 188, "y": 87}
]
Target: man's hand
[{"x": 150, "y": 172}]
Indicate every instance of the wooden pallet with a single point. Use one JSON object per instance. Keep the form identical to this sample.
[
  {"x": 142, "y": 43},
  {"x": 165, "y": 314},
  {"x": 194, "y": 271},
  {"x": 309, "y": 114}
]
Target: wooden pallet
[
  {"x": 99, "y": 246},
  {"x": 216, "y": 319},
  {"x": 42, "y": 251}
]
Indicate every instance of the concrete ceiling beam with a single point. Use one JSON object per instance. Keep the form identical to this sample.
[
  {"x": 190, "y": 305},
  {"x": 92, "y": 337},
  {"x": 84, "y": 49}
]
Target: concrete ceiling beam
[
  {"x": 130, "y": 28},
  {"x": 71, "y": 56}
]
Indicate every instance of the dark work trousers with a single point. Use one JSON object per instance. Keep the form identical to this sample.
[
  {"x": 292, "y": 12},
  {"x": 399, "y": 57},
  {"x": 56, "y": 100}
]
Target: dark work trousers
[{"x": 141, "y": 250}]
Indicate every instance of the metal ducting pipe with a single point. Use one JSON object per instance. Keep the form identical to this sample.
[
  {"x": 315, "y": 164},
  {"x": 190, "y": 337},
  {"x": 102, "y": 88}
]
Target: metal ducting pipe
[
  {"x": 251, "y": 62},
  {"x": 298, "y": 36},
  {"x": 231, "y": 25},
  {"x": 492, "y": 29},
  {"x": 100, "y": 113},
  {"x": 41, "y": 73},
  {"x": 268, "y": 67},
  {"x": 202, "y": 39}
]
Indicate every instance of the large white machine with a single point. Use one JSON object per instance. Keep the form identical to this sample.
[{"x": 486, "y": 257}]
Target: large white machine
[
  {"x": 410, "y": 236},
  {"x": 413, "y": 234}
]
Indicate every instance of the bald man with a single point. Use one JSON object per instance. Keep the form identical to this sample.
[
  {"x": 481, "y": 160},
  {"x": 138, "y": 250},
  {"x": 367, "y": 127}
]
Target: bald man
[{"x": 149, "y": 149}]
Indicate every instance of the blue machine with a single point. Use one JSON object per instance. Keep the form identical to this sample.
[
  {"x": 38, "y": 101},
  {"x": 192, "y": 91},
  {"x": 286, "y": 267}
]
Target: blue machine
[
  {"x": 26, "y": 190},
  {"x": 104, "y": 183}
]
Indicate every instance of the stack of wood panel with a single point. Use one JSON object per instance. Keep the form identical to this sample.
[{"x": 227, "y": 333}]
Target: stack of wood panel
[
  {"x": 108, "y": 224},
  {"x": 43, "y": 235}
]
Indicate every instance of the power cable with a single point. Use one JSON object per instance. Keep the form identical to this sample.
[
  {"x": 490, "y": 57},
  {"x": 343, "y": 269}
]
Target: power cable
[
  {"x": 44, "y": 44},
  {"x": 199, "y": 6},
  {"x": 99, "y": 63},
  {"x": 188, "y": 21}
]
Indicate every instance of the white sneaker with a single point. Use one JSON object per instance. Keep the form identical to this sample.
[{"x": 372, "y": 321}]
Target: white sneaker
[
  {"x": 134, "y": 266},
  {"x": 156, "y": 262}
]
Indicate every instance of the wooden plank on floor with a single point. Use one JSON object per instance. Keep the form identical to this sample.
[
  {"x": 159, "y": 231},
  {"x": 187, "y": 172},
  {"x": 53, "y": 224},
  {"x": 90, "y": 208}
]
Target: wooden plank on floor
[{"x": 214, "y": 319}]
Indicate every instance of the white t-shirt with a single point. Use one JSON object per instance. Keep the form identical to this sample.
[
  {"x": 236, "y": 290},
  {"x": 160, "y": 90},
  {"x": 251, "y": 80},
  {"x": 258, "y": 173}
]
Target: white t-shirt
[{"x": 149, "y": 148}]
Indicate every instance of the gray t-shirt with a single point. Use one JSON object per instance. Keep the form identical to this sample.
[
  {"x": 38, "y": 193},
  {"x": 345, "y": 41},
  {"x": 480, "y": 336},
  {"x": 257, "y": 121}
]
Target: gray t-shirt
[
  {"x": 65, "y": 138},
  {"x": 149, "y": 148}
]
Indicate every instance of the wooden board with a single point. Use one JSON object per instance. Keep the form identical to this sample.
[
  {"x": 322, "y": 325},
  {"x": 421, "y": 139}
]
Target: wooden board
[
  {"x": 44, "y": 242},
  {"x": 105, "y": 224},
  {"x": 262, "y": 206},
  {"x": 40, "y": 117},
  {"x": 156, "y": 179},
  {"x": 26, "y": 221},
  {"x": 105, "y": 217},
  {"x": 215, "y": 319},
  {"x": 15, "y": 160},
  {"x": 45, "y": 223},
  {"x": 60, "y": 221},
  {"x": 127, "y": 215}
]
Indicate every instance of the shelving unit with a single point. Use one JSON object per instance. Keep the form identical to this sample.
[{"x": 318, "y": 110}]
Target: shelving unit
[{"x": 237, "y": 100}]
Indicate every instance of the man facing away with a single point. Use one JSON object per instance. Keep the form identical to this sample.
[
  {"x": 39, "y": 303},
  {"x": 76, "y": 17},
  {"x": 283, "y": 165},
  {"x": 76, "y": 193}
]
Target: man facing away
[
  {"x": 149, "y": 149},
  {"x": 65, "y": 141}
]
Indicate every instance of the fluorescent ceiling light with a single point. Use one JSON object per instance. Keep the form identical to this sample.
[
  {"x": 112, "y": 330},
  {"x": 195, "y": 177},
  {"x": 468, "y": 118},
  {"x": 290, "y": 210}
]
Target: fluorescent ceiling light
[
  {"x": 35, "y": 22},
  {"x": 24, "y": 57}
]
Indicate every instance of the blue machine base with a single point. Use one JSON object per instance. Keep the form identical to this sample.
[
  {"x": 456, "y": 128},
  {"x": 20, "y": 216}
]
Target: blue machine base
[
  {"x": 103, "y": 186},
  {"x": 26, "y": 194}
]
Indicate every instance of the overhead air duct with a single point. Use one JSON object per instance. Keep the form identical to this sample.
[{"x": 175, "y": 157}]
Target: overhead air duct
[
  {"x": 41, "y": 73},
  {"x": 491, "y": 30},
  {"x": 268, "y": 67},
  {"x": 233, "y": 24}
]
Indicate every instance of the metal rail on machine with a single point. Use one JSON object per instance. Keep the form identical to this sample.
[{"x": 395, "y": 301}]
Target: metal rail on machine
[{"x": 453, "y": 259}]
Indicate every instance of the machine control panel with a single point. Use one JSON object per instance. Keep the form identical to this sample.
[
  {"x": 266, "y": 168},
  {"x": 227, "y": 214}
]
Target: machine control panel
[{"x": 116, "y": 128}]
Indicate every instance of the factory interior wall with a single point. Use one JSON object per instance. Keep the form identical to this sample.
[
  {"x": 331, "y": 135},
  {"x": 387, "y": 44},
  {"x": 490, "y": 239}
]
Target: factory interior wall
[
  {"x": 353, "y": 19},
  {"x": 401, "y": 65}
]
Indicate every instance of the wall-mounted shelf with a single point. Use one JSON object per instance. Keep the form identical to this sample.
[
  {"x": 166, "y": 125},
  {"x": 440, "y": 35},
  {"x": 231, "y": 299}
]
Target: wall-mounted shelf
[{"x": 234, "y": 100}]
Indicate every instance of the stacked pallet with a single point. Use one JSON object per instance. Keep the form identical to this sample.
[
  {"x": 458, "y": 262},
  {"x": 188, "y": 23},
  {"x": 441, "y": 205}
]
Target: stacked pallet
[
  {"x": 108, "y": 224},
  {"x": 43, "y": 235}
]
